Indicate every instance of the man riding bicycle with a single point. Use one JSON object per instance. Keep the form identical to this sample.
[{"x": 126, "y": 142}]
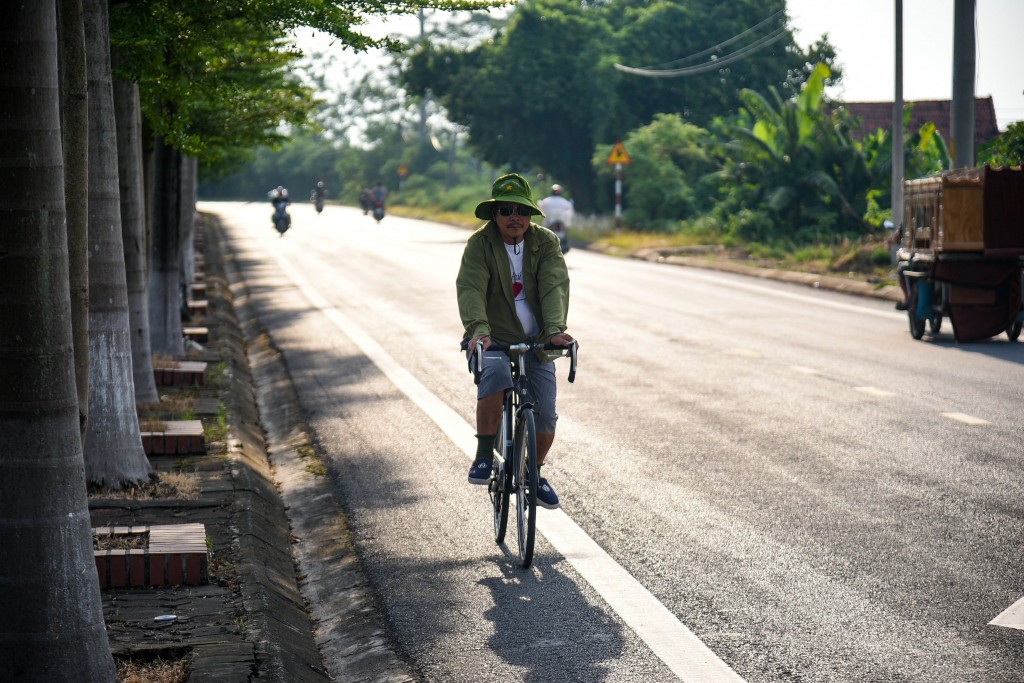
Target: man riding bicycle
[{"x": 513, "y": 287}]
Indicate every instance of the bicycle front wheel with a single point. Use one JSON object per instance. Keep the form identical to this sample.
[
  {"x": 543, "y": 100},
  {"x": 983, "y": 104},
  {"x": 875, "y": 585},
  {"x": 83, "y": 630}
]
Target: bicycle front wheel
[
  {"x": 501, "y": 477},
  {"x": 525, "y": 454}
]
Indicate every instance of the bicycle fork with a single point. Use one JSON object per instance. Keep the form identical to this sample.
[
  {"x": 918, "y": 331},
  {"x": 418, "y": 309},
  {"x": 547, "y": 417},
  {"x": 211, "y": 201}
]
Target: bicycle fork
[{"x": 503, "y": 445}]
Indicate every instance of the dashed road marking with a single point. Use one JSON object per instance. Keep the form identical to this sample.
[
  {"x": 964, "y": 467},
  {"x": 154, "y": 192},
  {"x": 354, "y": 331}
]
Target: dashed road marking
[
  {"x": 874, "y": 391},
  {"x": 966, "y": 419},
  {"x": 746, "y": 353},
  {"x": 1011, "y": 617},
  {"x": 804, "y": 370}
]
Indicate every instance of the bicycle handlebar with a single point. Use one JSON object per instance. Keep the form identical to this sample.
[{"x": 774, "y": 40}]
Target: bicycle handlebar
[{"x": 476, "y": 358}]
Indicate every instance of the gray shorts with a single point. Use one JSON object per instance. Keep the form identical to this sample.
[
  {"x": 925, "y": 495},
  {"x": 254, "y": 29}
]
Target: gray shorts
[{"x": 497, "y": 377}]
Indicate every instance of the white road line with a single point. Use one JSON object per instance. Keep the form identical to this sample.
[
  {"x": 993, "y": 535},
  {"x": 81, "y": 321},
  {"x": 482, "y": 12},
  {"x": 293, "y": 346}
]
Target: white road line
[
  {"x": 1011, "y": 617},
  {"x": 689, "y": 658},
  {"x": 746, "y": 353},
  {"x": 803, "y": 298},
  {"x": 966, "y": 419},
  {"x": 804, "y": 370},
  {"x": 873, "y": 391}
]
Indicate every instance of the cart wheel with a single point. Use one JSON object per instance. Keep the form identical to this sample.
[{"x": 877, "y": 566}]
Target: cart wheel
[
  {"x": 935, "y": 324},
  {"x": 1013, "y": 331},
  {"x": 916, "y": 324}
]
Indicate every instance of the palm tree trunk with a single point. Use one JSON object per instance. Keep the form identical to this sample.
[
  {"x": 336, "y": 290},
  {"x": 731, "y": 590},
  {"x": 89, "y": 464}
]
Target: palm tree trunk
[
  {"x": 51, "y": 624},
  {"x": 165, "y": 279},
  {"x": 114, "y": 457},
  {"x": 133, "y": 233},
  {"x": 189, "y": 182},
  {"x": 74, "y": 108}
]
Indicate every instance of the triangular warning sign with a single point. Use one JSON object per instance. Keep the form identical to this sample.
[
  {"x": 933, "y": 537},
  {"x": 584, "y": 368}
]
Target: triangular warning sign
[{"x": 618, "y": 155}]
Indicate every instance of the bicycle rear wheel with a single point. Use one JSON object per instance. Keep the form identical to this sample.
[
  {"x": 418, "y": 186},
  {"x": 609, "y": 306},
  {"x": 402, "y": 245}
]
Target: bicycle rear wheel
[
  {"x": 501, "y": 478},
  {"x": 525, "y": 458}
]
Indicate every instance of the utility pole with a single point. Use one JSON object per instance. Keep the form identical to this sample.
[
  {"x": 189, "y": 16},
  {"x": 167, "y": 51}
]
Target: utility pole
[
  {"x": 897, "y": 125},
  {"x": 424, "y": 130},
  {"x": 961, "y": 125}
]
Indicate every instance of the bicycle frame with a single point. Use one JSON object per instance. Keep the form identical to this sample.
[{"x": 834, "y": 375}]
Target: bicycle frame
[{"x": 515, "y": 458}]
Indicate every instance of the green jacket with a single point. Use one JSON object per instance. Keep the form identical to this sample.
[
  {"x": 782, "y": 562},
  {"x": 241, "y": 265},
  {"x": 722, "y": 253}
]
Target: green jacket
[{"x": 484, "y": 285}]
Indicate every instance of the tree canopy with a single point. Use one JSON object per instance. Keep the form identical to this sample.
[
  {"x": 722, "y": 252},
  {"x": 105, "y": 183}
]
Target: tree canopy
[
  {"x": 543, "y": 91},
  {"x": 217, "y": 78}
]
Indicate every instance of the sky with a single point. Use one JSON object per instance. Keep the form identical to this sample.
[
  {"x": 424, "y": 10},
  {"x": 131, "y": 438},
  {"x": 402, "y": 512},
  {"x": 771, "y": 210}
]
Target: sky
[{"x": 863, "y": 33}]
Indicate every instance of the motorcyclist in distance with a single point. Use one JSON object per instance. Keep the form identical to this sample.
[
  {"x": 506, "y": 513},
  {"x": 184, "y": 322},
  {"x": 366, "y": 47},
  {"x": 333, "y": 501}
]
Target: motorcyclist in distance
[
  {"x": 279, "y": 199},
  {"x": 558, "y": 214},
  {"x": 318, "y": 194}
]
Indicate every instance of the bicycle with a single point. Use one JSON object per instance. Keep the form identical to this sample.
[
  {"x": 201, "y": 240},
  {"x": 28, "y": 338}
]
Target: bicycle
[{"x": 514, "y": 468}]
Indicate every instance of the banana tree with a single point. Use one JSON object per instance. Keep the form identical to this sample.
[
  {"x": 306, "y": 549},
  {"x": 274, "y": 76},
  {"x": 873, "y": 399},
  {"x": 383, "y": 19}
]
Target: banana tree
[{"x": 797, "y": 162}]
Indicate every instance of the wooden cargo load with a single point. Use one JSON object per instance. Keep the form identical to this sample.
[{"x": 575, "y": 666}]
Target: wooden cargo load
[
  {"x": 962, "y": 211},
  {"x": 975, "y": 210}
]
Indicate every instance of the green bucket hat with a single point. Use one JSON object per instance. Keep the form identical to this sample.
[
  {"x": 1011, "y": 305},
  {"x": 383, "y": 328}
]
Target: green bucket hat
[{"x": 511, "y": 188}]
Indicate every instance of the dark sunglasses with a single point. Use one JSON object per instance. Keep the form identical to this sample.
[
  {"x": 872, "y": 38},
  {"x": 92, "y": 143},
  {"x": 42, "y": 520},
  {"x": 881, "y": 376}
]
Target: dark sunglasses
[{"x": 519, "y": 209}]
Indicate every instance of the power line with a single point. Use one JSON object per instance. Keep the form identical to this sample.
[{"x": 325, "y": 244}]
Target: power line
[{"x": 715, "y": 62}]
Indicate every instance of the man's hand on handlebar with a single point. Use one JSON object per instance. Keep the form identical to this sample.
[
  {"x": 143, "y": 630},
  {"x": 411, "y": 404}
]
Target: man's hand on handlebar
[
  {"x": 562, "y": 339},
  {"x": 486, "y": 339}
]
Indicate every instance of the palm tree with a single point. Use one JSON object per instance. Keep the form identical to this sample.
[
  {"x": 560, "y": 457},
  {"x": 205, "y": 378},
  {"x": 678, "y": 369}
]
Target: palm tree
[
  {"x": 114, "y": 456},
  {"x": 74, "y": 127},
  {"x": 51, "y": 624},
  {"x": 133, "y": 234}
]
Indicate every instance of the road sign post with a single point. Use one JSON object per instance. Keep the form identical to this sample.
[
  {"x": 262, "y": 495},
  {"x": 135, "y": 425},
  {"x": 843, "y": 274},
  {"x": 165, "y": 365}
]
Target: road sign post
[{"x": 618, "y": 157}]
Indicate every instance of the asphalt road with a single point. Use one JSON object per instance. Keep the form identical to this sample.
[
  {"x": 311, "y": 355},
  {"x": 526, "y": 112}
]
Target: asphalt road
[{"x": 784, "y": 486}]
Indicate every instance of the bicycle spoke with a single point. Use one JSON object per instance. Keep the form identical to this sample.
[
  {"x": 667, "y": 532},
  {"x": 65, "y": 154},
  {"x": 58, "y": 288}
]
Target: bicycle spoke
[
  {"x": 525, "y": 459},
  {"x": 501, "y": 478}
]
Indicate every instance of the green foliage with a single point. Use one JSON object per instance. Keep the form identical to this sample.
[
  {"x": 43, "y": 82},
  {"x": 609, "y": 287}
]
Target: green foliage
[
  {"x": 796, "y": 165},
  {"x": 214, "y": 82},
  {"x": 669, "y": 159},
  {"x": 1005, "y": 150},
  {"x": 535, "y": 96},
  {"x": 216, "y": 77},
  {"x": 924, "y": 154},
  {"x": 542, "y": 94}
]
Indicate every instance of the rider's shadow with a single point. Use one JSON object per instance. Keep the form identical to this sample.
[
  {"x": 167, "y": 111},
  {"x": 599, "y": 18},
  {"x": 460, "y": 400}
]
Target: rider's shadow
[{"x": 543, "y": 624}]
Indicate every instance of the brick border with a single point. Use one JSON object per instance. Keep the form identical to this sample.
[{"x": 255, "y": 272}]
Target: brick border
[
  {"x": 184, "y": 373},
  {"x": 181, "y": 437},
  {"x": 176, "y": 556}
]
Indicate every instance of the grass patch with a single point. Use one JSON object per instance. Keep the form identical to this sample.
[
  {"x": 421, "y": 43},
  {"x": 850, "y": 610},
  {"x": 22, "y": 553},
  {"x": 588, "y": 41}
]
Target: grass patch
[
  {"x": 169, "y": 408},
  {"x": 120, "y": 541},
  {"x": 177, "y": 485},
  {"x": 152, "y": 426},
  {"x": 217, "y": 428},
  {"x": 161, "y": 362},
  {"x": 153, "y": 670}
]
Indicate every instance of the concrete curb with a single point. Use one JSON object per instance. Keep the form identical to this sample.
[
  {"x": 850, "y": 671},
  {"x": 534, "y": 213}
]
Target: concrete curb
[
  {"x": 346, "y": 623},
  {"x": 276, "y": 620},
  {"x": 830, "y": 282}
]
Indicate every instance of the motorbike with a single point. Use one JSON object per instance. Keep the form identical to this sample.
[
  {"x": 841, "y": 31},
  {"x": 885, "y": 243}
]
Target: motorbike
[
  {"x": 318, "y": 201},
  {"x": 558, "y": 227},
  {"x": 378, "y": 209},
  {"x": 282, "y": 219}
]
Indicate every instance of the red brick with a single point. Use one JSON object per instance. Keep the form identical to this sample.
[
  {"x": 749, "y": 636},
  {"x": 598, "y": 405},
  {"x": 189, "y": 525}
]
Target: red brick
[
  {"x": 137, "y": 568},
  {"x": 101, "y": 568},
  {"x": 118, "y": 568},
  {"x": 175, "y": 574},
  {"x": 156, "y": 570},
  {"x": 193, "y": 569}
]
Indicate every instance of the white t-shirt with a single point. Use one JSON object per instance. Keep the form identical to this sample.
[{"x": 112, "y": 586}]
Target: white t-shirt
[
  {"x": 526, "y": 317},
  {"x": 557, "y": 208}
]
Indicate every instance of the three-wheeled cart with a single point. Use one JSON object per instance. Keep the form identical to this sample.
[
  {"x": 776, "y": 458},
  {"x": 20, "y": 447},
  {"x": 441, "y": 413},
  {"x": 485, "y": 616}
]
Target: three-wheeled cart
[{"x": 962, "y": 252}]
